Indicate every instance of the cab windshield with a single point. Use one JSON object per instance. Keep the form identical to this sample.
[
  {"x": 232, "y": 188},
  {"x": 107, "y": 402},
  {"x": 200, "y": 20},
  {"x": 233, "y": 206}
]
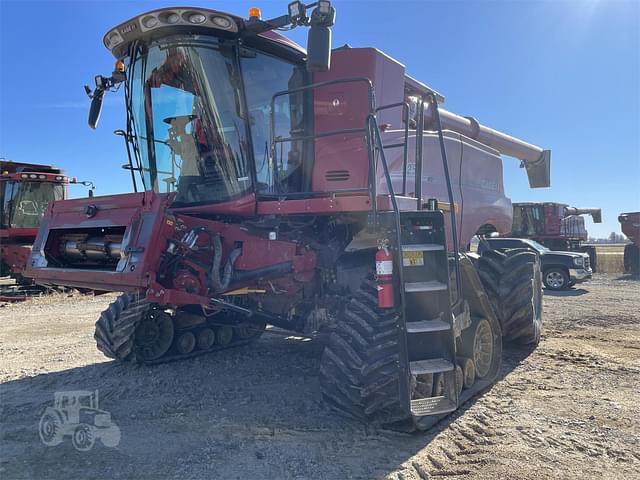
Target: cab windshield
[
  {"x": 24, "y": 203},
  {"x": 188, "y": 121}
]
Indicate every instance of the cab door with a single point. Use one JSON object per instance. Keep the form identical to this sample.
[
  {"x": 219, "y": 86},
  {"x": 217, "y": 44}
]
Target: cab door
[{"x": 279, "y": 126}]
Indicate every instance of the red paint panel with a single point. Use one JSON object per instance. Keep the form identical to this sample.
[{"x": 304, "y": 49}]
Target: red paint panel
[
  {"x": 244, "y": 207},
  {"x": 15, "y": 256},
  {"x": 341, "y": 161}
]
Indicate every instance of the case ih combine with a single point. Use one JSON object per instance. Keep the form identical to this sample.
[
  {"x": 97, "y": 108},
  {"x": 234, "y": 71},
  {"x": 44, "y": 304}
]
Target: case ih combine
[
  {"x": 557, "y": 226},
  {"x": 315, "y": 191},
  {"x": 25, "y": 189},
  {"x": 630, "y": 224}
]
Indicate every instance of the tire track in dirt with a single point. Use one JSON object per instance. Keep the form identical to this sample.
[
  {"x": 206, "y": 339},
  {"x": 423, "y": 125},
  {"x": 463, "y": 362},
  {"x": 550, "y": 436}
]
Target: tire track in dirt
[{"x": 468, "y": 444}]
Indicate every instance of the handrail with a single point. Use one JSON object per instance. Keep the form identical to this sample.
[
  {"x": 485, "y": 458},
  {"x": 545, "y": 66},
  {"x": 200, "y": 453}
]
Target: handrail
[
  {"x": 405, "y": 155},
  {"x": 372, "y": 181},
  {"x": 371, "y": 101},
  {"x": 452, "y": 210}
]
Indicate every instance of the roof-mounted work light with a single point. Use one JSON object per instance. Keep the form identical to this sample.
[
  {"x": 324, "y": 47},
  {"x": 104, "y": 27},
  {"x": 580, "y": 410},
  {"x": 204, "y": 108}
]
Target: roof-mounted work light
[{"x": 297, "y": 13}]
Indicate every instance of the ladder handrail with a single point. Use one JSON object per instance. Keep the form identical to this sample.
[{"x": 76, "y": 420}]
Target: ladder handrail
[{"x": 452, "y": 210}]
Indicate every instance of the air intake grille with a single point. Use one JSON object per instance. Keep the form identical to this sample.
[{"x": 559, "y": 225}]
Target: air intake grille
[{"x": 337, "y": 175}]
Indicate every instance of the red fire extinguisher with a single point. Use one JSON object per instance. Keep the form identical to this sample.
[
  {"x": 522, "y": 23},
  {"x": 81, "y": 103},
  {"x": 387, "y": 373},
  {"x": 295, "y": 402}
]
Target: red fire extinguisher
[{"x": 384, "y": 274}]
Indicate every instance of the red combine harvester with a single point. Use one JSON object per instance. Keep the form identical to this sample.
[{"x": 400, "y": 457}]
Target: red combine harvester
[
  {"x": 307, "y": 190},
  {"x": 557, "y": 226},
  {"x": 25, "y": 189},
  {"x": 630, "y": 224}
]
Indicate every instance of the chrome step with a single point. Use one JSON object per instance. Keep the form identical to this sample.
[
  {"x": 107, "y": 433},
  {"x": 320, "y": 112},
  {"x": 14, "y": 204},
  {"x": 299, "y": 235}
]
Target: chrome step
[
  {"x": 434, "y": 365},
  {"x": 422, "y": 247},
  {"x": 424, "y": 326},
  {"x": 430, "y": 286},
  {"x": 432, "y": 406}
]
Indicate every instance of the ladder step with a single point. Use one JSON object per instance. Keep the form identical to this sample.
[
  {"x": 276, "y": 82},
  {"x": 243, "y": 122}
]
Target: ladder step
[
  {"x": 434, "y": 365},
  {"x": 430, "y": 286},
  {"x": 422, "y": 247},
  {"x": 432, "y": 406},
  {"x": 427, "y": 326}
]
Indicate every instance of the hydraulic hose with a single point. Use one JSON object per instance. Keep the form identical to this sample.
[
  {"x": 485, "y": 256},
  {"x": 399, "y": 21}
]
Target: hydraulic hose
[{"x": 219, "y": 283}]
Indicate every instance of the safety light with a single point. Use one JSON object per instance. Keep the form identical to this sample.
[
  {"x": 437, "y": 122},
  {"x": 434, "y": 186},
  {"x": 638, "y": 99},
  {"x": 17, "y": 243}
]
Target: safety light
[
  {"x": 42, "y": 177},
  {"x": 221, "y": 22},
  {"x": 295, "y": 9},
  {"x": 33, "y": 175},
  {"x": 324, "y": 7},
  {"x": 254, "y": 12},
  {"x": 119, "y": 37},
  {"x": 119, "y": 66},
  {"x": 24, "y": 175},
  {"x": 197, "y": 18},
  {"x": 170, "y": 17},
  {"x": 59, "y": 178},
  {"x": 149, "y": 21}
]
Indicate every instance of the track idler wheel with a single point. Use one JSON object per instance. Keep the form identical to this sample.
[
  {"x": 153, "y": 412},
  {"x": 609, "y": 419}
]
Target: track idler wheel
[
  {"x": 438, "y": 385},
  {"x": 205, "y": 338},
  {"x": 224, "y": 335},
  {"x": 153, "y": 336},
  {"x": 468, "y": 371},
  {"x": 477, "y": 344},
  {"x": 185, "y": 343},
  {"x": 459, "y": 380}
]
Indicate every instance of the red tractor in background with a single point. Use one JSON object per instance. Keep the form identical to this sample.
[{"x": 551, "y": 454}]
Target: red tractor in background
[
  {"x": 630, "y": 225},
  {"x": 25, "y": 190},
  {"x": 557, "y": 226},
  {"x": 316, "y": 191}
]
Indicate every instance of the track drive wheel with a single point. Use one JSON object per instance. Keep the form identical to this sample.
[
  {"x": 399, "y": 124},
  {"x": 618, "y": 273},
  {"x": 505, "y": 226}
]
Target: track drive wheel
[
  {"x": 513, "y": 282},
  {"x": 359, "y": 369}
]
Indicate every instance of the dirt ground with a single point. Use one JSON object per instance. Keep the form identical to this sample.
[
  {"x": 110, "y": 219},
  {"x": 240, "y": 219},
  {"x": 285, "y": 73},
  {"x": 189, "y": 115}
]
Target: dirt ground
[{"x": 568, "y": 410}]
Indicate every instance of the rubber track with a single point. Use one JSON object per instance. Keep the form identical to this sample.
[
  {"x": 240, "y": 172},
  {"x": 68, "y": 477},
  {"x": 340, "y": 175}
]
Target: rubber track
[
  {"x": 507, "y": 278},
  {"x": 359, "y": 369},
  {"x": 116, "y": 327}
]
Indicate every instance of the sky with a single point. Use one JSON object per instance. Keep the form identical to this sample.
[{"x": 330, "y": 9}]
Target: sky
[{"x": 564, "y": 75}]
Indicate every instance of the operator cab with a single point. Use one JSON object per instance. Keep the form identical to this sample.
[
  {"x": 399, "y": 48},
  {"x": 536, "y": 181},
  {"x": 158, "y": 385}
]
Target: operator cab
[
  {"x": 201, "y": 111},
  {"x": 25, "y": 192},
  {"x": 202, "y": 114}
]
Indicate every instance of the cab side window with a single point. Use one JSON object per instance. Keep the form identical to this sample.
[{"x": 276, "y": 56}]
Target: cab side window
[{"x": 279, "y": 167}]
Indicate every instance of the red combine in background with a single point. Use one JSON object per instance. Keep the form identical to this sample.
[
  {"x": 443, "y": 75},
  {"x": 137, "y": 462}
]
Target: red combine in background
[
  {"x": 317, "y": 191},
  {"x": 557, "y": 226},
  {"x": 630, "y": 225},
  {"x": 25, "y": 190}
]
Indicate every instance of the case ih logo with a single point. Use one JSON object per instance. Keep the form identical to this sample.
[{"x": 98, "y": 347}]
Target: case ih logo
[
  {"x": 76, "y": 414},
  {"x": 128, "y": 28}
]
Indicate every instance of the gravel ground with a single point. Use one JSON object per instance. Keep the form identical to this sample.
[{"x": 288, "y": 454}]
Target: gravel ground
[{"x": 568, "y": 410}]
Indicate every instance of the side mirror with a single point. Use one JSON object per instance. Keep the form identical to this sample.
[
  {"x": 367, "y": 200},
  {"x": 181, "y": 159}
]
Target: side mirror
[
  {"x": 96, "y": 108},
  {"x": 319, "y": 49}
]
